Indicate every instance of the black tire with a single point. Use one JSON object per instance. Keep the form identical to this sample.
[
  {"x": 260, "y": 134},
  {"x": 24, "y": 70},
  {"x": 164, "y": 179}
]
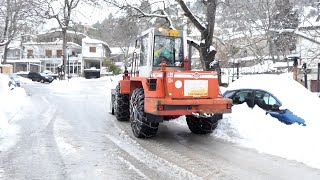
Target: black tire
[
  {"x": 42, "y": 81},
  {"x": 141, "y": 128},
  {"x": 121, "y": 107},
  {"x": 111, "y": 107},
  {"x": 203, "y": 125}
]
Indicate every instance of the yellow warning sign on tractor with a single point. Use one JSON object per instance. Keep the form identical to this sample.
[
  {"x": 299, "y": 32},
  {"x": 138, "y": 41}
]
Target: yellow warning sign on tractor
[{"x": 170, "y": 32}]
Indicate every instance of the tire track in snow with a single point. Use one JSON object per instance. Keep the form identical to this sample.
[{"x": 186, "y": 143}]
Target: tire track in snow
[
  {"x": 166, "y": 169},
  {"x": 185, "y": 156},
  {"x": 131, "y": 166},
  {"x": 171, "y": 147},
  {"x": 62, "y": 135}
]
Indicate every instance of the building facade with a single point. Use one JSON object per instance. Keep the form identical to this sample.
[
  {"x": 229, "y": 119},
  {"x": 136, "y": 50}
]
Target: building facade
[{"x": 42, "y": 52}]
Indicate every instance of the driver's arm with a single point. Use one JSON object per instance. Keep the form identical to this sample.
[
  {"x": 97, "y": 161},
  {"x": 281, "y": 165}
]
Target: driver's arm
[{"x": 156, "y": 57}]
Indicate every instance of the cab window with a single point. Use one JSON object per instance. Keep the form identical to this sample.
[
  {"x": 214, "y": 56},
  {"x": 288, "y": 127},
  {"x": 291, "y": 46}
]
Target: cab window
[
  {"x": 143, "y": 50},
  {"x": 168, "y": 49}
]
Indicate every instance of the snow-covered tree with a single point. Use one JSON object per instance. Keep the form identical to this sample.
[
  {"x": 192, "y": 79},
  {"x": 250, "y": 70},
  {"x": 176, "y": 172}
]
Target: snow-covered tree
[
  {"x": 15, "y": 17},
  {"x": 285, "y": 18}
]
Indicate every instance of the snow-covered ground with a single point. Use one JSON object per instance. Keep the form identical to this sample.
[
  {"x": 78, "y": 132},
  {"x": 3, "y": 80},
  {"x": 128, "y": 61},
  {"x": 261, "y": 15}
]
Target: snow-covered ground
[{"x": 247, "y": 127}]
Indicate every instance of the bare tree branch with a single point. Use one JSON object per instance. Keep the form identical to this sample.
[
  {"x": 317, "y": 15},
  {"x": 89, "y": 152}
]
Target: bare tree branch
[{"x": 189, "y": 14}]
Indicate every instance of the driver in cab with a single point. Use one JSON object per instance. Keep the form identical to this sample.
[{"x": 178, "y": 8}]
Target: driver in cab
[{"x": 163, "y": 54}]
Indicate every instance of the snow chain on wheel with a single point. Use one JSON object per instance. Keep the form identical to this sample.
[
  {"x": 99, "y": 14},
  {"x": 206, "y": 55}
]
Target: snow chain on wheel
[
  {"x": 140, "y": 126},
  {"x": 202, "y": 125},
  {"x": 121, "y": 107}
]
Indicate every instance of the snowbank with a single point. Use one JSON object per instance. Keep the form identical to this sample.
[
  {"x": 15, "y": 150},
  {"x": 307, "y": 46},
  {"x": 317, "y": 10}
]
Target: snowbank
[
  {"x": 254, "y": 129},
  {"x": 64, "y": 86},
  {"x": 75, "y": 84},
  {"x": 292, "y": 95},
  {"x": 10, "y": 103}
]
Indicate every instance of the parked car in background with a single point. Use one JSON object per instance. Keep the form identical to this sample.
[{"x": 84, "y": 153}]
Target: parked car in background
[
  {"x": 55, "y": 76},
  {"x": 272, "y": 94},
  {"x": 14, "y": 77},
  {"x": 40, "y": 77}
]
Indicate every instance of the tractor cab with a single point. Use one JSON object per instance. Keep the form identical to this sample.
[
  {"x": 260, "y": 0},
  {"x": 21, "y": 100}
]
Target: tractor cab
[{"x": 157, "y": 46}]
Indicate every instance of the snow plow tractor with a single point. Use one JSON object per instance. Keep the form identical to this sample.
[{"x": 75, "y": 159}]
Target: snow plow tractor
[{"x": 159, "y": 86}]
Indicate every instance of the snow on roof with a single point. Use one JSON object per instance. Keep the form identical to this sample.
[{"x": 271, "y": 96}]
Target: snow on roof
[
  {"x": 241, "y": 34},
  {"x": 290, "y": 93},
  {"x": 89, "y": 40},
  {"x": 309, "y": 21},
  {"x": 59, "y": 30},
  {"x": 14, "y": 44},
  {"x": 249, "y": 58},
  {"x": 118, "y": 50},
  {"x": 23, "y": 60},
  {"x": 59, "y": 42}
]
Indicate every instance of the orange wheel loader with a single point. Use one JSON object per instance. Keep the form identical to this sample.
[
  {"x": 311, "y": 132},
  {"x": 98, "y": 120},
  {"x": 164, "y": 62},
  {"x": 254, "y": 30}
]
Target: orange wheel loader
[{"x": 159, "y": 86}]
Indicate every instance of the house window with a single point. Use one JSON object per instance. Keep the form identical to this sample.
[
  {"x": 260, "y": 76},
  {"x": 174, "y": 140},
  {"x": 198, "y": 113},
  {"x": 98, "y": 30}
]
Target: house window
[
  {"x": 30, "y": 53},
  {"x": 92, "y": 49},
  {"x": 48, "y": 53},
  {"x": 59, "y": 53}
]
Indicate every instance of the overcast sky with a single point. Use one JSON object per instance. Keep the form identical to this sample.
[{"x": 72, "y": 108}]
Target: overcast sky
[{"x": 86, "y": 14}]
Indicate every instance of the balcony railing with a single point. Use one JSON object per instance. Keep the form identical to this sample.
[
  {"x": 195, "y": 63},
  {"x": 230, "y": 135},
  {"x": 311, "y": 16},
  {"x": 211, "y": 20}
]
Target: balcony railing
[{"x": 72, "y": 59}]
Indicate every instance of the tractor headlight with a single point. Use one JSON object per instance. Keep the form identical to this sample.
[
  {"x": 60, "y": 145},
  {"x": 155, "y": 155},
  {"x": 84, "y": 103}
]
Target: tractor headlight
[{"x": 178, "y": 84}]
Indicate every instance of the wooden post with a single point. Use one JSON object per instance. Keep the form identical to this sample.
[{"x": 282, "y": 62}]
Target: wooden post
[
  {"x": 189, "y": 56},
  {"x": 304, "y": 66},
  {"x": 295, "y": 68},
  {"x": 318, "y": 79}
]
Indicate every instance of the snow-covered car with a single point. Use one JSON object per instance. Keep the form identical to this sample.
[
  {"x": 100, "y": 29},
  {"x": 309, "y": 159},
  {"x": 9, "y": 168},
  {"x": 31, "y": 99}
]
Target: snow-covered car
[
  {"x": 14, "y": 77},
  {"x": 6, "y": 83},
  {"x": 55, "y": 76},
  {"x": 281, "y": 97}
]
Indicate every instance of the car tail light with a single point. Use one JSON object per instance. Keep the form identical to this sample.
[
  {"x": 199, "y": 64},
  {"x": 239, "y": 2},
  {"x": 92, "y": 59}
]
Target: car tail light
[
  {"x": 160, "y": 107},
  {"x": 229, "y": 106}
]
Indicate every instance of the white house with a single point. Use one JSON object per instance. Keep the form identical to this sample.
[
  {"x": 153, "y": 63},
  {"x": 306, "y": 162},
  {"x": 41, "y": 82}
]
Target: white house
[
  {"x": 93, "y": 53},
  {"x": 50, "y": 54}
]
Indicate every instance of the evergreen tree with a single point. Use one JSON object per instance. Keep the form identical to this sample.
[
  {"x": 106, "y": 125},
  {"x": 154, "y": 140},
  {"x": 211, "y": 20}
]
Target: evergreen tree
[{"x": 286, "y": 18}]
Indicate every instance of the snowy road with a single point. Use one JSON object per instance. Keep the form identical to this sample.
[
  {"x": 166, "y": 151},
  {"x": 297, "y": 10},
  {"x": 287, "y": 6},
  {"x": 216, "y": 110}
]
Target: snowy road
[{"x": 71, "y": 135}]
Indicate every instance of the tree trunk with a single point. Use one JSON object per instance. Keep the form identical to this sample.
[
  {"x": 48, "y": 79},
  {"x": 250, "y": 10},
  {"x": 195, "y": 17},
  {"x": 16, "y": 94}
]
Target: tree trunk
[
  {"x": 64, "y": 51},
  {"x": 5, "y": 54}
]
